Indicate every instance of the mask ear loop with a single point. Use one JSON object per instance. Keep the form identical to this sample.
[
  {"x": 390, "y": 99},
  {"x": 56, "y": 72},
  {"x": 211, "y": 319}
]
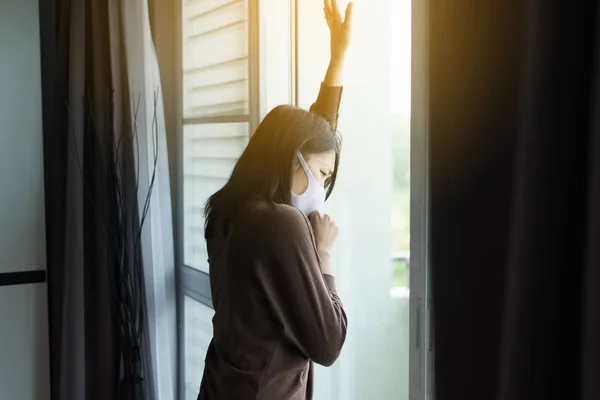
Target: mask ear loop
[
  {"x": 304, "y": 166},
  {"x": 307, "y": 170}
]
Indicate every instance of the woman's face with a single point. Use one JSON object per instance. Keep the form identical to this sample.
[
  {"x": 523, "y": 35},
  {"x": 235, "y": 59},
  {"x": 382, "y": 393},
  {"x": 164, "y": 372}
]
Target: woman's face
[{"x": 321, "y": 166}]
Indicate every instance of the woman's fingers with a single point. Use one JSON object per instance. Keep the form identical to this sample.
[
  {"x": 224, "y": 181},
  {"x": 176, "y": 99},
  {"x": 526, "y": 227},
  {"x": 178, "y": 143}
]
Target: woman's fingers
[
  {"x": 327, "y": 14},
  {"x": 327, "y": 8},
  {"x": 348, "y": 16},
  {"x": 337, "y": 15}
]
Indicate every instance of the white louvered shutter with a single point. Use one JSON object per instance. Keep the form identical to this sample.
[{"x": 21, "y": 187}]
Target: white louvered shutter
[{"x": 217, "y": 98}]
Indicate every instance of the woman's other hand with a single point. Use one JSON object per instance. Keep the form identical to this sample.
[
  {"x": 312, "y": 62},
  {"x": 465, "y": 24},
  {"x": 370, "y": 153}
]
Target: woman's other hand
[{"x": 326, "y": 232}]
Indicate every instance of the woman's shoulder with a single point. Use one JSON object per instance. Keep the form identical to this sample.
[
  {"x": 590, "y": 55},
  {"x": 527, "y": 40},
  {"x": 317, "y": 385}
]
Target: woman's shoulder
[{"x": 274, "y": 219}]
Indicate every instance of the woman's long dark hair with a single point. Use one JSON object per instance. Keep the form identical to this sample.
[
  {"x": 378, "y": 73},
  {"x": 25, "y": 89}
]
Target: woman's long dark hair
[{"x": 264, "y": 170}]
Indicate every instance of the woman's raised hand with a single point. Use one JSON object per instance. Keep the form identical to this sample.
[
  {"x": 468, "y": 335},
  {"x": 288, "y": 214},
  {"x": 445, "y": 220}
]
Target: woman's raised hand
[{"x": 339, "y": 28}]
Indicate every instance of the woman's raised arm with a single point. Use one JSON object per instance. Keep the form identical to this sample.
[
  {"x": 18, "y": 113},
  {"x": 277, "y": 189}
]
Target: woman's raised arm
[{"x": 330, "y": 94}]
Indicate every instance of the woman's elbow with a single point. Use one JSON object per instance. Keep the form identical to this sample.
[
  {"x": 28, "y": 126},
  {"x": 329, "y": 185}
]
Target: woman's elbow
[
  {"x": 327, "y": 359},
  {"x": 330, "y": 351}
]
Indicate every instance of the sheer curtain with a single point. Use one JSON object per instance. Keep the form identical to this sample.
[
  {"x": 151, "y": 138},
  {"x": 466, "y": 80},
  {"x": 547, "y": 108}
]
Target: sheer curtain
[
  {"x": 153, "y": 172},
  {"x": 374, "y": 361}
]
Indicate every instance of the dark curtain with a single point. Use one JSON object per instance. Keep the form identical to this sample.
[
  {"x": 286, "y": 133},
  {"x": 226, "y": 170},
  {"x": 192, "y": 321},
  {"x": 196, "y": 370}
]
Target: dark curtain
[
  {"x": 514, "y": 185},
  {"x": 98, "y": 335}
]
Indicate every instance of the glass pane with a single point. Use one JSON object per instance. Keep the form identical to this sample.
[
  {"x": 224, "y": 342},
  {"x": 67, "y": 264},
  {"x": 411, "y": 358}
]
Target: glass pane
[
  {"x": 215, "y": 58},
  {"x": 198, "y": 333},
  {"x": 400, "y": 99},
  {"x": 371, "y": 200},
  {"x": 210, "y": 152}
]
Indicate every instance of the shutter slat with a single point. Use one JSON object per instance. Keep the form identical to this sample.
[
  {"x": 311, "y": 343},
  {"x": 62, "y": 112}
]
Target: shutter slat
[
  {"x": 215, "y": 59},
  {"x": 213, "y": 10}
]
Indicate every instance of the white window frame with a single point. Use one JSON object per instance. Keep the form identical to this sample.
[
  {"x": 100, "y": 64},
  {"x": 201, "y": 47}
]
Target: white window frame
[{"x": 421, "y": 341}]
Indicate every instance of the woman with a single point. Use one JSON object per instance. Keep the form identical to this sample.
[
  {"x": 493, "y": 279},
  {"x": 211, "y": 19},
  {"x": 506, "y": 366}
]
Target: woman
[{"x": 273, "y": 290}]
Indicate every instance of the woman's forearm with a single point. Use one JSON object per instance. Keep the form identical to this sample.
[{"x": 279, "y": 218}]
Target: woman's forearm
[
  {"x": 334, "y": 75},
  {"x": 330, "y": 93}
]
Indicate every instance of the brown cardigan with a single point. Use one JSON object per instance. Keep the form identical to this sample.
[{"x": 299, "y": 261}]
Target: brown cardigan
[{"x": 275, "y": 312}]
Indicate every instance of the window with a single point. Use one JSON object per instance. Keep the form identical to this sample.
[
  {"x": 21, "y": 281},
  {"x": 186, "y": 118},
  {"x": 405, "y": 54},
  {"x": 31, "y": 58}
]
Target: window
[{"x": 237, "y": 64}]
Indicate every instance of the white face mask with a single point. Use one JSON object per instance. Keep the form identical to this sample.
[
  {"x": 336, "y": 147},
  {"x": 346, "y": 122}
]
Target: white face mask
[{"x": 313, "y": 197}]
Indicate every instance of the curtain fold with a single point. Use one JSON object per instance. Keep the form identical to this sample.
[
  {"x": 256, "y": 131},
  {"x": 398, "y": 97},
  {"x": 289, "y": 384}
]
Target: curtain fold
[
  {"x": 554, "y": 235},
  {"x": 515, "y": 199}
]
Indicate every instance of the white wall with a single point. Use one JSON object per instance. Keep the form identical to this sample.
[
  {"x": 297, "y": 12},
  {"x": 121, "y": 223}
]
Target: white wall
[{"x": 24, "y": 362}]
